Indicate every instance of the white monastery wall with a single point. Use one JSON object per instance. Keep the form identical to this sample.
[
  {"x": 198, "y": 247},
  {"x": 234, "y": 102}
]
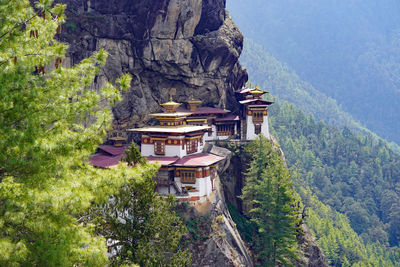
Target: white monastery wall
[
  {"x": 213, "y": 136},
  {"x": 251, "y": 135}
]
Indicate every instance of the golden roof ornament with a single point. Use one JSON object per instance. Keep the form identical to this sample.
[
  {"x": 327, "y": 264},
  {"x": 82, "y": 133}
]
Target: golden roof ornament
[
  {"x": 257, "y": 92},
  {"x": 170, "y": 106},
  {"x": 192, "y": 104}
]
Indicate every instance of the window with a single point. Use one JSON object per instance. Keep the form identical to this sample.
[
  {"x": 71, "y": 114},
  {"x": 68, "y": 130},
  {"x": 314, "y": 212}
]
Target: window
[
  {"x": 225, "y": 129},
  {"x": 159, "y": 147},
  {"x": 188, "y": 177},
  {"x": 258, "y": 116},
  {"x": 191, "y": 146},
  {"x": 257, "y": 128}
]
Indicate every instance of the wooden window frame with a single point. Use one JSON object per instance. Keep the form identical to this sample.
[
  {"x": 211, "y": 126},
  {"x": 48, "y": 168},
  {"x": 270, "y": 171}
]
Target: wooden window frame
[
  {"x": 257, "y": 128},
  {"x": 159, "y": 147},
  {"x": 192, "y": 146},
  {"x": 225, "y": 129},
  {"x": 258, "y": 116},
  {"x": 188, "y": 176}
]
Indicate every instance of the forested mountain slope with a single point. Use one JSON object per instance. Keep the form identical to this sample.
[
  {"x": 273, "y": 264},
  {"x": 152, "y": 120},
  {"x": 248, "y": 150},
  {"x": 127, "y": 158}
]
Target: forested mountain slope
[
  {"x": 283, "y": 82},
  {"x": 348, "y": 50},
  {"x": 353, "y": 174},
  {"x": 341, "y": 245}
]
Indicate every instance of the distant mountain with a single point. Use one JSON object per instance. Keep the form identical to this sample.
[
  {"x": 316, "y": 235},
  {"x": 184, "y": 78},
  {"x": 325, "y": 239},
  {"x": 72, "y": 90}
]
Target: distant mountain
[
  {"x": 349, "y": 50},
  {"x": 283, "y": 82}
]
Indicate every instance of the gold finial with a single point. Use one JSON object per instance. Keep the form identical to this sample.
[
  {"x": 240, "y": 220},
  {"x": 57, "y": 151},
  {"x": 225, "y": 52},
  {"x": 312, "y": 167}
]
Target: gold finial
[
  {"x": 170, "y": 107},
  {"x": 172, "y": 92}
]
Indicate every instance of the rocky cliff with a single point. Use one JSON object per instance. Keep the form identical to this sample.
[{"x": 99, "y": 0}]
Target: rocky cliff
[
  {"x": 190, "y": 45},
  {"x": 213, "y": 239}
]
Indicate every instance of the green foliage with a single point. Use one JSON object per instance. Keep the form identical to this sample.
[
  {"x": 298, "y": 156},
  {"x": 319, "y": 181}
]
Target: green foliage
[
  {"x": 141, "y": 226},
  {"x": 272, "y": 206},
  {"x": 193, "y": 228},
  {"x": 355, "y": 175},
  {"x": 49, "y": 125},
  {"x": 283, "y": 82},
  {"x": 341, "y": 245},
  {"x": 243, "y": 224},
  {"x": 348, "y": 50},
  {"x": 70, "y": 26},
  {"x": 133, "y": 155}
]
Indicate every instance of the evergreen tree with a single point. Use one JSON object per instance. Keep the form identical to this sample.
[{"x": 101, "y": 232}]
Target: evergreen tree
[
  {"x": 272, "y": 206},
  {"x": 133, "y": 155},
  {"x": 50, "y": 122},
  {"x": 141, "y": 226}
]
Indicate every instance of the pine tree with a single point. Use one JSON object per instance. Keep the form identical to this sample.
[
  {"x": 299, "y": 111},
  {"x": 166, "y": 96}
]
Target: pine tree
[
  {"x": 50, "y": 122},
  {"x": 133, "y": 155},
  {"x": 272, "y": 206}
]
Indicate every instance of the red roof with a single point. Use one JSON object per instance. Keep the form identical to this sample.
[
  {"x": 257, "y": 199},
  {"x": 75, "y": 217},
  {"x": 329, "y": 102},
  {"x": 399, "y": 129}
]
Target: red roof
[
  {"x": 107, "y": 156},
  {"x": 230, "y": 117},
  {"x": 105, "y": 161},
  {"x": 198, "y": 160},
  {"x": 112, "y": 150},
  {"x": 164, "y": 161},
  {"x": 204, "y": 110}
]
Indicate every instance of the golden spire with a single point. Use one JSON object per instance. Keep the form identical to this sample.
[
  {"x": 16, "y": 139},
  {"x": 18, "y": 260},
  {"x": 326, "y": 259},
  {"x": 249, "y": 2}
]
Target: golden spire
[
  {"x": 192, "y": 103},
  {"x": 171, "y": 106},
  {"x": 256, "y": 92}
]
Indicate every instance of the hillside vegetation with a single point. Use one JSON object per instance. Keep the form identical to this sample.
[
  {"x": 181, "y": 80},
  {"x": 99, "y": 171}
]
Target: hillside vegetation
[
  {"x": 353, "y": 174},
  {"x": 283, "y": 82},
  {"x": 348, "y": 50}
]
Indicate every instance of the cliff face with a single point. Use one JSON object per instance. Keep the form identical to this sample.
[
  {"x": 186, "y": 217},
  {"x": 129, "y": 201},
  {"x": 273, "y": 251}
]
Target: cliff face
[{"x": 190, "y": 45}]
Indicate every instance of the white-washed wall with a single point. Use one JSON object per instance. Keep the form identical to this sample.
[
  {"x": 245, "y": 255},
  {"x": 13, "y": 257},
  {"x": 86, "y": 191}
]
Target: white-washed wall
[{"x": 250, "y": 133}]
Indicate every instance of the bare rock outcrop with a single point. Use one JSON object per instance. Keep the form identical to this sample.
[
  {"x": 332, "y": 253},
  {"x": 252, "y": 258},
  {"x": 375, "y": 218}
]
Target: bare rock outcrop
[
  {"x": 213, "y": 238},
  {"x": 311, "y": 254},
  {"x": 190, "y": 45}
]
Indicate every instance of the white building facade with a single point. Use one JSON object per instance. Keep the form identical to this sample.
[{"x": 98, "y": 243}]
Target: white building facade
[
  {"x": 185, "y": 170},
  {"x": 254, "y": 113}
]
